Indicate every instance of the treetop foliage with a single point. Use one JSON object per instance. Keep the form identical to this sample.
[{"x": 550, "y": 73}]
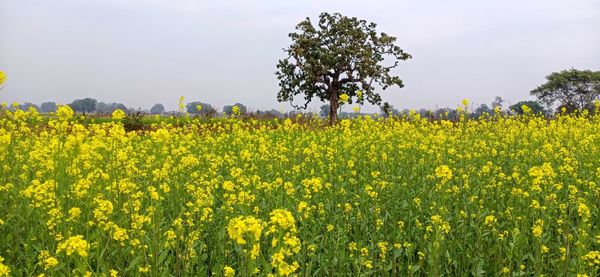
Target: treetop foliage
[
  {"x": 338, "y": 55},
  {"x": 572, "y": 89}
]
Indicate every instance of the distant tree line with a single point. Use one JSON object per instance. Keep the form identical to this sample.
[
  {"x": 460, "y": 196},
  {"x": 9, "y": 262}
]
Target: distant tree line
[
  {"x": 564, "y": 92},
  {"x": 93, "y": 106}
]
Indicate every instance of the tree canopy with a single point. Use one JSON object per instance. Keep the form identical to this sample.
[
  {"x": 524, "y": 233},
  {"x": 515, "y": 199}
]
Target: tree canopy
[
  {"x": 199, "y": 108},
  {"x": 573, "y": 89},
  {"x": 109, "y": 108},
  {"x": 228, "y": 109},
  {"x": 339, "y": 55},
  {"x": 48, "y": 107},
  {"x": 86, "y": 105},
  {"x": 534, "y": 106},
  {"x": 157, "y": 109}
]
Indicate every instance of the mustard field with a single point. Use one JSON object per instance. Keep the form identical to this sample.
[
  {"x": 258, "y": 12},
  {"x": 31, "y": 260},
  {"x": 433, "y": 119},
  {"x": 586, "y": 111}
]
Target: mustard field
[{"x": 497, "y": 196}]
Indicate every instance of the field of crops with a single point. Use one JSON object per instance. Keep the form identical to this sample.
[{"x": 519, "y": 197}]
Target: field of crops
[{"x": 503, "y": 195}]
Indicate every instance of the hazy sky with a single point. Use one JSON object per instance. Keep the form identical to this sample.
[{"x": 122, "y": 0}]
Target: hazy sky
[{"x": 142, "y": 52}]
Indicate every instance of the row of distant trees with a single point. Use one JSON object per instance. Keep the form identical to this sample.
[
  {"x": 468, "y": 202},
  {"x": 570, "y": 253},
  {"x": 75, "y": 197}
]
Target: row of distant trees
[
  {"x": 477, "y": 112},
  {"x": 535, "y": 107},
  {"x": 568, "y": 90},
  {"x": 86, "y": 106},
  {"x": 92, "y": 106}
]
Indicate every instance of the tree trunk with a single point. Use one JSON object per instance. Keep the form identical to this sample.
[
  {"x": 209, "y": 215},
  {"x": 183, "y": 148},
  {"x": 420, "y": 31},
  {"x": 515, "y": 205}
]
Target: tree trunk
[{"x": 333, "y": 106}]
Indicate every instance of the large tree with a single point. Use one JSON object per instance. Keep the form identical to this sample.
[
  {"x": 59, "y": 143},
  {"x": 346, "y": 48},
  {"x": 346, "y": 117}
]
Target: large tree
[
  {"x": 574, "y": 89},
  {"x": 339, "y": 55}
]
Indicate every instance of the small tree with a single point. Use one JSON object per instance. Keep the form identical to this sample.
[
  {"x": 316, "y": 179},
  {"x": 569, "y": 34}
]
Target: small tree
[
  {"x": 340, "y": 55},
  {"x": 199, "y": 108},
  {"x": 482, "y": 109},
  {"x": 48, "y": 107},
  {"x": 572, "y": 88},
  {"x": 25, "y": 106},
  {"x": 535, "y": 107},
  {"x": 109, "y": 108},
  {"x": 86, "y": 105},
  {"x": 498, "y": 102},
  {"x": 157, "y": 109},
  {"x": 228, "y": 109},
  {"x": 324, "y": 110},
  {"x": 445, "y": 113}
]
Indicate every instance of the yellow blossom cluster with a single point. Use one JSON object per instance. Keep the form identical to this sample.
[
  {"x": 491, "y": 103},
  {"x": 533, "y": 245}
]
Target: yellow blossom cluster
[{"x": 232, "y": 196}]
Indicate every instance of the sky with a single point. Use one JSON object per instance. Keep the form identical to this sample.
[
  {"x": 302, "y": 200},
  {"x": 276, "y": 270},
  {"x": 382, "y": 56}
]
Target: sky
[{"x": 142, "y": 52}]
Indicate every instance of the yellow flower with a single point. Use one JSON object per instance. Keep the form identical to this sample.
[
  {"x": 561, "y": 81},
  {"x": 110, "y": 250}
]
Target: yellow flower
[
  {"x": 465, "y": 102},
  {"x": 592, "y": 258},
  {"x": 242, "y": 228},
  {"x": 235, "y": 110},
  {"x": 443, "y": 172},
  {"x": 64, "y": 112},
  {"x": 170, "y": 239},
  {"x": 181, "y": 104},
  {"x": 2, "y": 77},
  {"x": 74, "y": 213},
  {"x": 352, "y": 246},
  {"x": 118, "y": 114},
  {"x": 46, "y": 260},
  {"x": 282, "y": 219},
  {"x": 4, "y": 270},
  {"x": 144, "y": 269},
  {"x": 490, "y": 220},
  {"x": 538, "y": 228},
  {"x": 344, "y": 98},
  {"x": 417, "y": 201},
  {"x": 228, "y": 271},
  {"x": 400, "y": 224},
  {"x": 583, "y": 211},
  {"x": 563, "y": 253},
  {"x": 383, "y": 248},
  {"x": 74, "y": 244},
  {"x": 364, "y": 251},
  {"x": 119, "y": 234},
  {"x": 228, "y": 186},
  {"x": 439, "y": 222},
  {"x": 329, "y": 227}
]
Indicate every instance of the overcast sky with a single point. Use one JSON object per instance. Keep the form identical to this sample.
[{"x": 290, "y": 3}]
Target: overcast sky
[{"x": 142, "y": 52}]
